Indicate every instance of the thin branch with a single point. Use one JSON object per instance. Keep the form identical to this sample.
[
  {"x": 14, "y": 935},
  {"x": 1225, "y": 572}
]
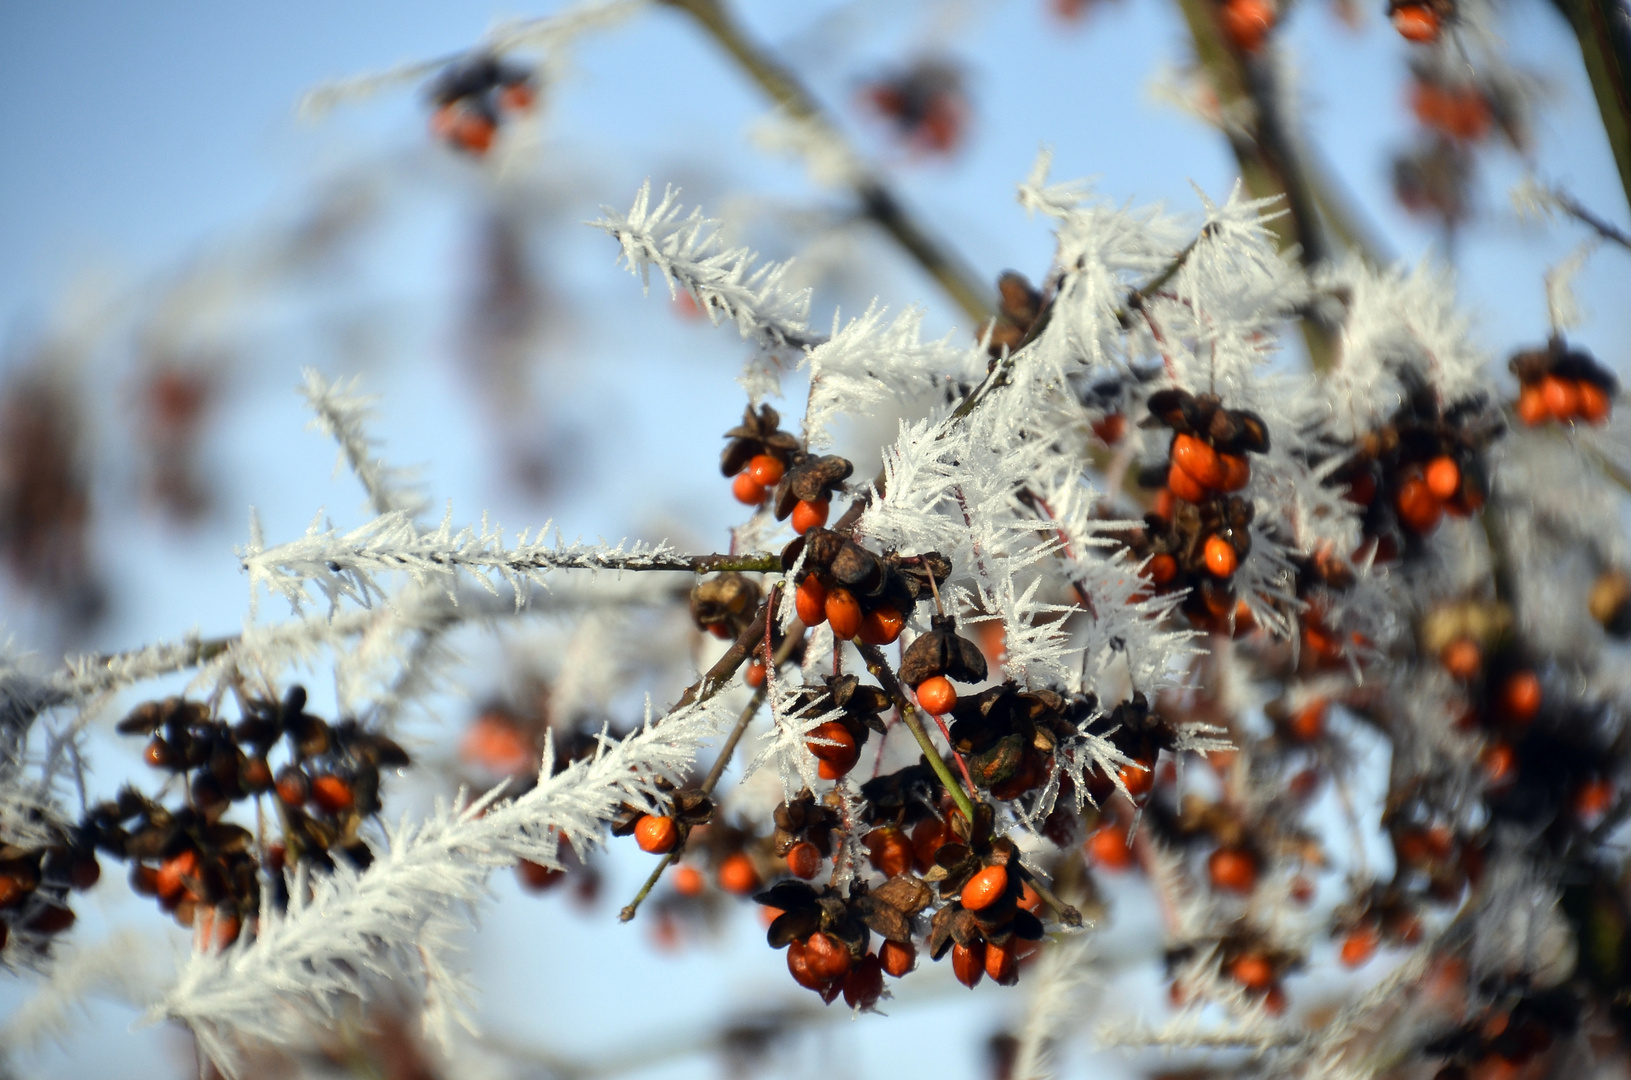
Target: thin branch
[
  {"x": 1603, "y": 28},
  {"x": 879, "y": 666}
]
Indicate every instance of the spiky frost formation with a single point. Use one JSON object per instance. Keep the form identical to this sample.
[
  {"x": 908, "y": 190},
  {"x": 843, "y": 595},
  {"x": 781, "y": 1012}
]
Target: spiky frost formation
[{"x": 343, "y": 415}]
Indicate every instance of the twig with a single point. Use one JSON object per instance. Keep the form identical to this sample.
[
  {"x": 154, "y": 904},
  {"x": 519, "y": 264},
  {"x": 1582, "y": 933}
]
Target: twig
[
  {"x": 878, "y": 202},
  {"x": 1604, "y": 30},
  {"x": 879, "y": 667},
  {"x": 1587, "y": 217}
]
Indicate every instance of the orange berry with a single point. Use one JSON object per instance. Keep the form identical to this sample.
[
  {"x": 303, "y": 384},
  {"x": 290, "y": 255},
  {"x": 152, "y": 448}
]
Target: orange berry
[
  {"x": 985, "y": 888},
  {"x": 882, "y": 625},
  {"x": 827, "y": 957},
  {"x": 214, "y": 930},
  {"x": 897, "y": 957},
  {"x": 1253, "y": 971},
  {"x": 688, "y": 881},
  {"x": 936, "y": 695},
  {"x": 1246, "y": 23},
  {"x": 747, "y": 489},
  {"x": 737, "y": 874},
  {"x": 1594, "y": 403},
  {"x": 1462, "y": 658},
  {"x": 766, "y": 469},
  {"x": 1532, "y": 405},
  {"x": 889, "y": 850},
  {"x": 863, "y": 986},
  {"x": 1520, "y": 697},
  {"x": 517, "y": 97},
  {"x": 1221, "y": 559},
  {"x": 810, "y": 515},
  {"x": 811, "y": 601},
  {"x": 1028, "y": 898},
  {"x": 1274, "y": 1002},
  {"x": 755, "y": 675},
  {"x": 656, "y": 835},
  {"x": 1001, "y": 964},
  {"x": 844, "y": 613},
  {"x": 1232, "y": 869},
  {"x": 1108, "y": 847},
  {"x": 1161, "y": 568},
  {"x": 1184, "y": 486},
  {"x": 968, "y": 963},
  {"x": 169, "y": 884},
  {"x": 1562, "y": 397},
  {"x": 1443, "y": 477},
  {"x": 472, "y": 132},
  {"x": 1137, "y": 778},
  {"x": 1161, "y": 504},
  {"x": 804, "y": 860},
  {"x": 835, "y": 770},
  {"x": 495, "y": 743},
  {"x": 1500, "y": 763},
  {"x": 1237, "y": 472},
  {"x": 1197, "y": 458},
  {"x": 1416, "y": 22},
  {"x": 1592, "y": 800},
  {"x": 1110, "y": 428},
  {"x": 1302, "y": 890},
  {"x": 838, "y": 744},
  {"x": 1418, "y": 507},
  {"x": 798, "y": 964},
  {"x": 1359, "y": 946},
  {"x": 332, "y": 794},
  {"x": 928, "y": 837},
  {"x": 1308, "y": 722},
  {"x": 536, "y": 876}
]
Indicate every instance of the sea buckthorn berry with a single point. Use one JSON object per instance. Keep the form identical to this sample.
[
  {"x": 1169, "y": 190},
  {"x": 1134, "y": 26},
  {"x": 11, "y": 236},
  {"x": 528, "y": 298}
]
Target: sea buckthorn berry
[
  {"x": 332, "y": 794},
  {"x": 1253, "y": 971},
  {"x": 688, "y": 881},
  {"x": 1462, "y": 658},
  {"x": 1359, "y": 946},
  {"x": 1520, "y": 697},
  {"x": 1594, "y": 403},
  {"x": 890, "y": 851},
  {"x": 863, "y": 986},
  {"x": 827, "y": 957},
  {"x": 1108, "y": 848},
  {"x": 1138, "y": 778},
  {"x": 755, "y": 674},
  {"x": 1562, "y": 397},
  {"x": 882, "y": 625},
  {"x": 897, "y": 957},
  {"x": 1532, "y": 405},
  {"x": 1001, "y": 963},
  {"x": 844, "y": 613},
  {"x": 1221, "y": 558},
  {"x": 293, "y": 787},
  {"x": 810, "y": 515},
  {"x": 1232, "y": 869},
  {"x": 1308, "y": 722},
  {"x": 656, "y": 835},
  {"x": 1184, "y": 486},
  {"x": 747, "y": 490},
  {"x": 1416, "y": 22},
  {"x": 804, "y": 860},
  {"x": 1161, "y": 569},
  {"x": 737, "y": 874},
  {"x": 1443, "y": 477},
  {"x": 169, "y": 883},
  {"x": 256, "y": 774},
  {"x": 811, "y": 601},
  {"x": 985, "y": 888},
  {"x": 837, "y": 745},
  {"x": 1237, "y": 472},
  {"x": 1246, "y": 23},
  {"x": 1197, "y": 458},
  {"x": 1419, "y": 509},
  {"x": 968, "y": 963},
  {"x": 936, "y": 695},
  {"x": 766, "y": 469}
]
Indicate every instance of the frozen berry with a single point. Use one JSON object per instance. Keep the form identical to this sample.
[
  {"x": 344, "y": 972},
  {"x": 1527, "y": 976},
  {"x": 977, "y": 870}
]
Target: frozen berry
[
  {"x": 889, "y": 851},
  {"x": 985, "y": 888},
  {"x": 170, "y": 882},
  {"x": 1253, "y": 971},
  {"x": 844, "y": 613},
  {"x": 1562, "y": 397},
  {"x": 1001, "y": 963},
  {"x": 747, "y": 490},
  {"x": 656, "y": 835},
  {"x": 1161, "y": 568},
  {"x": 1107, "y": 847},
  {"x": 754, "y": 676},
  {"x": 897, "y": 957},
  {"x": 1594, "y": 403},
  {"x": 1221, "y": 558},
  {"x": 1237, "y": 472},
  {"x": 737, "y": 874},
  {"x": 1308, "y": 722},
  {"x": 1358, "y": 946},
  {"x": 293, "y": 787},
  {"x": 332, "y": 794},
  {"x": 1443, "y": 477},
  {"x": 1196, "y": 458},
  {"x": 827, "y": 957},
  {"x": 766, "y": 469},
  {"x": 1419, "y": 509},
  {"x": 863, "y": 986},
  {"x": 882, "y": 625},
  {"x": 536, "y": 876},
  {"x": 1184, "y": 486},
  {"x": 1520, "y": 697},
  {"x": 968, "y": 963},
  {"x": 810, "y": 515},
  {"x": 1462, "y": 658},
  {"x": 1246, "y": 23},
  {"x": 831, "y": 741},
  {"x": 936, "y": 695},
  {"x": 1416, "y": 22},
  {"x": 811, "y": 601},
  {"x": 1532, "y": 408},
  {"x": 1138, "y": 778},
  {"x": 804, "y": 860}
]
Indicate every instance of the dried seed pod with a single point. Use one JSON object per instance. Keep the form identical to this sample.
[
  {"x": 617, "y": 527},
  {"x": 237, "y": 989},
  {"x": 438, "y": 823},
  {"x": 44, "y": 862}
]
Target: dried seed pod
[
  {"x": 942, "y": 652},
  {"x": 811, "y": 481}
]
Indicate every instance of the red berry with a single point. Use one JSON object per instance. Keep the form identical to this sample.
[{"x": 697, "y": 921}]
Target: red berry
[
  {"x": 827, "y": 957},
  {"x": 985, "y": 888},
  {"x": 811, "y": 601},
  {"x": 1418, "y": 507},
  {"x": 968, "y": 963},
  {"x": 1028, "y": 898},
  {"x": 1161, "y": 568},
  {"x": 766, "y": 469},
  {"x": 810, "y": 515},
  {"x": 882, "y": 625},
  {"x": 1137, "y": 778},
  {"x": 738, "y": 875},
  {"x": 863, "y": 986},
  {"x": 1562, "y": 397},
  {"x": 656, "y": 835},
  {"x": 1237, "y": 472},
  {"x": 1416, "y": 22},
  {"x": 1462, "y": 658},
  {"x": 897, "y": 957},
  {"x": 1108, "y": 847},
  {"x": 804, "y": 860},
  {"x": 536, "y": 876},
  {"x": 1001, "y": 963},
  {"x": 169, "y": 883},
  {"x": 1232, "y": 869},
  {"x": 1520, "y": 697},
  {"x": 1308, "y": 722},
  {"x": 1184, "y": 486},
  {"x": 1359, "y": 946},
  {"x": 889, "y": 851},
  {"x": 1110, "y": 428},
  {"x": 747, "y": 490},
  {"x": 837, "y": 744},
  {"x": 936, "y": 695},
  {"x": 1532, "y": 408},
  {"x": 844, "y": 613},
  {"x": 1253, "y": 971},
  {"x": 517, "y": 97},
  {"x": 834, "y": 770},
  {"x": 1221, "y": 559},
  {"x": 688, "y": 881},
  {"x": 1443, "y": 477},
  {"x": 798, "y": 963},
  {"x": 755, "y": 675},
  {"x": 1197, "y": 458},
  {"x": 293, "y": 787},
  {"x": 1594, "y": 403},
  {"x": 928, "y": 837},
  {"x": 1246, "y": 23},
  {"x": 332, "y": 794}
]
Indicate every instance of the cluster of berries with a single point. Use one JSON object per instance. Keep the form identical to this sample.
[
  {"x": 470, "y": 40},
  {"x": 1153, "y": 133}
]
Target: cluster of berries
[
  {"x": 1461, "y": 110},
  {"x": 769, "y": 462},
  {"x": 1519, "y": 1023},
  {"x": 1198, "y": 529},
  {"x": 1562, "y": 384},
  {"x": 836, "y": 744},
  {"x": 926, "y": 104},
  {"x": 472, "y": 97},
  {"x": 35, "y": 882},
  {"x": 858, "y": 593}
]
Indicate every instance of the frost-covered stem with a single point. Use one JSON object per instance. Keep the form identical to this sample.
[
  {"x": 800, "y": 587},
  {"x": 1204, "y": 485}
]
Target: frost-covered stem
[
  {"x": 879, "y": 204},
  {"x": 1588, "y": 217},
  {"x": 1604, "y": 30},
  {"x": 879, "y": 666}
]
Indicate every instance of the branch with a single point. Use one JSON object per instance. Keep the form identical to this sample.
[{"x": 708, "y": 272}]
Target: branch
[
  {"x": 879, "y": 666},
  {"x": 1604, "y": 30}
]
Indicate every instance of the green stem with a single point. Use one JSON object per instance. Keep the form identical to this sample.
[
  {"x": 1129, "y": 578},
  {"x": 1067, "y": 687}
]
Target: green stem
[{"x": 879, "y": 667}]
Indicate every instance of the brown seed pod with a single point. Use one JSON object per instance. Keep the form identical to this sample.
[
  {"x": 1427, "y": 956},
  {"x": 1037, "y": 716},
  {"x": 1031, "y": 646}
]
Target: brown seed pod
[{"x": 942, "y": 652}]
